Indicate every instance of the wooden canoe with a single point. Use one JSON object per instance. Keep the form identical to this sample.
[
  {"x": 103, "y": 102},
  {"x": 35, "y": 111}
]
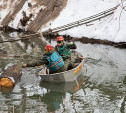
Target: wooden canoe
[{"x": 65, "y": 76}]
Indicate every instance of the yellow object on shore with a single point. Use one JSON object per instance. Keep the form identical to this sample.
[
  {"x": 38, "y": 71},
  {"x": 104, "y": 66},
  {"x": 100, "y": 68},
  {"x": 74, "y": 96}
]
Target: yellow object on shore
[{"x": 6, "y": 82}]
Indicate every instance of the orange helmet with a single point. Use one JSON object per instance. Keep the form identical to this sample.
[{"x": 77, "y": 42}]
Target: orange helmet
[
  {"x": 49, "y": 48},
  {"x": 60, "y": 38}
]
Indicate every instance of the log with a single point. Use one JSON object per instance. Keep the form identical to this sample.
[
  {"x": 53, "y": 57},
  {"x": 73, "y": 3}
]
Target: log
[{"x": 10, "y": 76}]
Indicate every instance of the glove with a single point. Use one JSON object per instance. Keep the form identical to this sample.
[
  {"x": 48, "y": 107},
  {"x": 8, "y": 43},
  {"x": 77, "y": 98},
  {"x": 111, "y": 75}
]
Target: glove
[
  {"x": 71, "y": 43},
  {"x": 24, "y": 65}
]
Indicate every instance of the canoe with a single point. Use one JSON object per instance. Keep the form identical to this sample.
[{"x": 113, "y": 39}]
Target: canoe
[{"x": 66, "y": 76}]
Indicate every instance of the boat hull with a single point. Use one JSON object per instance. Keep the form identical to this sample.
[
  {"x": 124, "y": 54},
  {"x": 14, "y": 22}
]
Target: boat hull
[{"x": 66, "y": 76}]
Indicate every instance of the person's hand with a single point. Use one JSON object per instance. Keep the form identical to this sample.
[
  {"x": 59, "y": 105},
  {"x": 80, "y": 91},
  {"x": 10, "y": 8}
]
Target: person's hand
[
  {"x": 24, "y": 65},
  {"x": 71, "y": 43}
]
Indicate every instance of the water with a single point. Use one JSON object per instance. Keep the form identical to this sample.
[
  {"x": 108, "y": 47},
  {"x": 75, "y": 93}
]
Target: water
[{"x": 102, "y": 84}]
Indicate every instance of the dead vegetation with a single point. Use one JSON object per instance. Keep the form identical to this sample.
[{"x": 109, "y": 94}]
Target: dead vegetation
[
  {"x": 25, "y": 19},
  {"x": 47, "y": 10}
]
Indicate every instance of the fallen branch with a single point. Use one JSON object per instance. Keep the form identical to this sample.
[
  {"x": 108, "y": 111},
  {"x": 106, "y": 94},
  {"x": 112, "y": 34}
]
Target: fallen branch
[{"x": 26, "y": 37}]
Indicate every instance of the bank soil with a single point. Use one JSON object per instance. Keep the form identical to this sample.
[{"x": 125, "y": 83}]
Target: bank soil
[{"x": 86, "y": 40}]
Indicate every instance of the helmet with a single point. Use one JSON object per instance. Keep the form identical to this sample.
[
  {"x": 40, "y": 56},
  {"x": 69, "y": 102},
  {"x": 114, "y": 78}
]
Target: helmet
[
  {"x": 60, "y": 38},
  {"x": 49, "y": 47}
]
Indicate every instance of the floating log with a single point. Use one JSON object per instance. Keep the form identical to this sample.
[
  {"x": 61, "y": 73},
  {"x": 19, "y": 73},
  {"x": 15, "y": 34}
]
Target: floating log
[{"x": 10, "y": 76}]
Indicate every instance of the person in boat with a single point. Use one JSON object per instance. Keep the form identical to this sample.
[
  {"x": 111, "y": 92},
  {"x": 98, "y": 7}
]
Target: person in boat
[
  {"x": 53, "y": 61},
  {"x": 64, "y": 50}
]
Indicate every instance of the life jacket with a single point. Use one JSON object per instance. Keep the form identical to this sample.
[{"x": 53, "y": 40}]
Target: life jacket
[
  {"x": 64, "y": 51},
  {"x": 55, "y": 61}
]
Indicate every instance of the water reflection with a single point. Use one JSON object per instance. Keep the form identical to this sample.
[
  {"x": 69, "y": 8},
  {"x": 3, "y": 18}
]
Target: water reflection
[
  {"x": 70, "y": 87},
  {"x": 20, "y": 51},
  {"x": 123, "y": 106},
  {"x": 6, "y": 89},
  {"x": 53, "y": 100}
]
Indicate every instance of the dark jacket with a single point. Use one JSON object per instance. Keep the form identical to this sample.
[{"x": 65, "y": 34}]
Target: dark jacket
[
  {"x": 41, "y": 61},
  {"x": 64, "y": 50}
]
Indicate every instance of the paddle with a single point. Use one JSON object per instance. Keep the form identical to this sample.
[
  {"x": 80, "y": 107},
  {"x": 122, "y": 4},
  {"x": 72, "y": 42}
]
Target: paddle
[{"x": 78, "y": 85}]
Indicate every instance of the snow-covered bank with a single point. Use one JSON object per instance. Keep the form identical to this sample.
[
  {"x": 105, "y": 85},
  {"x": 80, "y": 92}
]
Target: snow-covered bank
[{"x": 111, "y": 28}]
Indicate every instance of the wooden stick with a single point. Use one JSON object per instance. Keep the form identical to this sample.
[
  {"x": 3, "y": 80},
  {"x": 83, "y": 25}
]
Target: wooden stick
[
  {"x": 13, "y": 108},
  {"x": 81, "y": 57}
]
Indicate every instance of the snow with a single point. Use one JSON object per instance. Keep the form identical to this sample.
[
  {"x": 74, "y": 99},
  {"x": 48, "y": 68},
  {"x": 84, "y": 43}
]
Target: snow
[
  {"x": 4, "y": 12},
  {"x": 110, "y": 28}
]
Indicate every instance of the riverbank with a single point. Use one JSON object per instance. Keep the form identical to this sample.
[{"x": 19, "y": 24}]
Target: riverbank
[
  {"x": 84, "y": 40},
  {"x": 37, "y": 16}
]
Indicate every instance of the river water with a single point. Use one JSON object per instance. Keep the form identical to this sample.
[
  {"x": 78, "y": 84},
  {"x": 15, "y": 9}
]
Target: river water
[{"x": 102, "y": 85}]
